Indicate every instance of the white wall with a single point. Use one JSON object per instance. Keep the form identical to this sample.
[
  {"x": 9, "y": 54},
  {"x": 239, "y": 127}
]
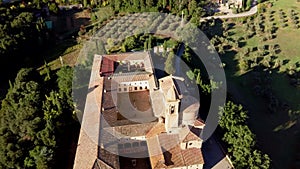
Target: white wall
[
  {"x": 125, "y": 87},
  {"x": 194, "y": 144}
]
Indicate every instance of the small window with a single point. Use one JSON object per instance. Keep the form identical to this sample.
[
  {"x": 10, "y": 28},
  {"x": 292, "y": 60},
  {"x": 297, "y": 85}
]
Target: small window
[
  {"x": 145, "y": 87},
  {"x": 125, "y": 89},
  {"x": 190, "y": 144},
  {"x": 143, "y": 143},
  {"x": 141, "y": 88},
  {"x": 172, "y": 109},
  {"x": 120, "y": 146},
  {"x": 127, "y": 145},
  {"x": 135, "y": 144},
  {"x": 120, "y": 89},
  {"x": 135, "y": 88}
]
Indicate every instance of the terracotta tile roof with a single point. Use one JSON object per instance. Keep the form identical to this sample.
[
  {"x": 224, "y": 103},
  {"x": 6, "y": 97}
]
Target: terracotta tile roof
[
  {"x": 109, "y": 109},
  {"x": 173, "y": 155},
  {"x": 155, "y": 152},
  {"x": 127, "y": 56},
  {"x": 176, "y": 157},
  {"x": 192, "y": 156},
  {"x": 129, "y": 77},
  {"x": 160, "y": 165},
  {"x": 163, "y": 148},
  {"x": 107, "y": 66},
  {"x": 87, "y": 142},
  {"x": 167, "y": 141},
  {"x": 199, "y": 123},
  {"x": 188, "y": 133},
  {"x": 193, "y": 134},
  {"x": 100, "y": 164},
  {"x": 135, "y": 129},
  {"x": 156, "y": 130},
  {"x": 123, "y": 123},
  {"x": 109, "y": 158},
  {"x": 110, "y": 116},
  {"x": 133, "y": 56}
]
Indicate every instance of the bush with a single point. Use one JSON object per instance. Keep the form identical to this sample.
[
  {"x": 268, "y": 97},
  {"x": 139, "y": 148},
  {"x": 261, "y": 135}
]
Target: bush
[{"x": 283, "y": 25}]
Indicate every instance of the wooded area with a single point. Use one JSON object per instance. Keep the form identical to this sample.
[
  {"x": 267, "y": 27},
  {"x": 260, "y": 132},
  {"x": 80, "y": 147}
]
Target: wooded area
[{"x": 37, "y": 120}]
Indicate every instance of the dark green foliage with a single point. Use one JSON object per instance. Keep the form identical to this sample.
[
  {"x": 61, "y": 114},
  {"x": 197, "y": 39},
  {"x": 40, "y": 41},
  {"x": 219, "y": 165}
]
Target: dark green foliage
[
  {"x": 240, "y": 139},
  {"x": 232, "y": 115},
  {"x": 129, "y": 43},
  {"x": 64, "y": 81},
  {"x": 53, "y": 7},
  {"x": 33, "y": 121},
  {"x": 206, "y": 87},
  {"x": 169, "y": 64},
  {"x": 192, "y": 8},
  {"x": 22, "y": 37},
  {"x": 21, "y": 118},
  {"x": 248, "y": 4}
]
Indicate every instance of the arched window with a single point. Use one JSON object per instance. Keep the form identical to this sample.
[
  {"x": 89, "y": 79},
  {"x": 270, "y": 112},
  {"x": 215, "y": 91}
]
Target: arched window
[
  {"x": 120, "y": 146},
  {"x": 127, "y": 145},
  {"x": 143, "y": 143},
  {"x": 135, "y": 144}
]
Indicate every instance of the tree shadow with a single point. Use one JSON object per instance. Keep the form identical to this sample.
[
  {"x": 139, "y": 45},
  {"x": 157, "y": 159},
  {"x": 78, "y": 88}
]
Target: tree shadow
[
  {"x": 268, "y": 109},
  {"x": 285, "y": 61}
]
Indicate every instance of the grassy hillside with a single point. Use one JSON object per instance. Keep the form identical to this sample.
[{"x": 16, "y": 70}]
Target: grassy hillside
[{"x": 268, "y": 49}]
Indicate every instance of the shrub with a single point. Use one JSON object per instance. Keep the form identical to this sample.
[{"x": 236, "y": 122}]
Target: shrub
[{"x": 283, "y": 25}]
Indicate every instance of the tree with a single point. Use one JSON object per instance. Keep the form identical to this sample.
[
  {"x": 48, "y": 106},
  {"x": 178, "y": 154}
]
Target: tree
[
  {"x": 85, "y": 3},
  {"x": 149, "y": 3},
  {"x": 150, "y": 39},
  {"x": 64, "y": 81},
  {"x": 129, "y": 43},
  {"x": 42, "y": 157},
  {"x": 240, "y": 139},
  {"x": 30, "y": 132},
  {"x": 257, "y": 159},
  {"x": 192, "y": 7},
  {"x": 187, "y": 55},
  {"x": 190, "y": 75},
  {"x": 169, "y": 64},
  {"x": 23, "y": 20},
  {"x": 243, "y": 65},
  {"x": 136, "y": 5},
  {"x": 231, "y": 115},
  {"x": 21, "y": 119},
  {"x": 142, "y": 4},
  {"x": 53, "y": 7},
  {"x": 248, "y": 4}
]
